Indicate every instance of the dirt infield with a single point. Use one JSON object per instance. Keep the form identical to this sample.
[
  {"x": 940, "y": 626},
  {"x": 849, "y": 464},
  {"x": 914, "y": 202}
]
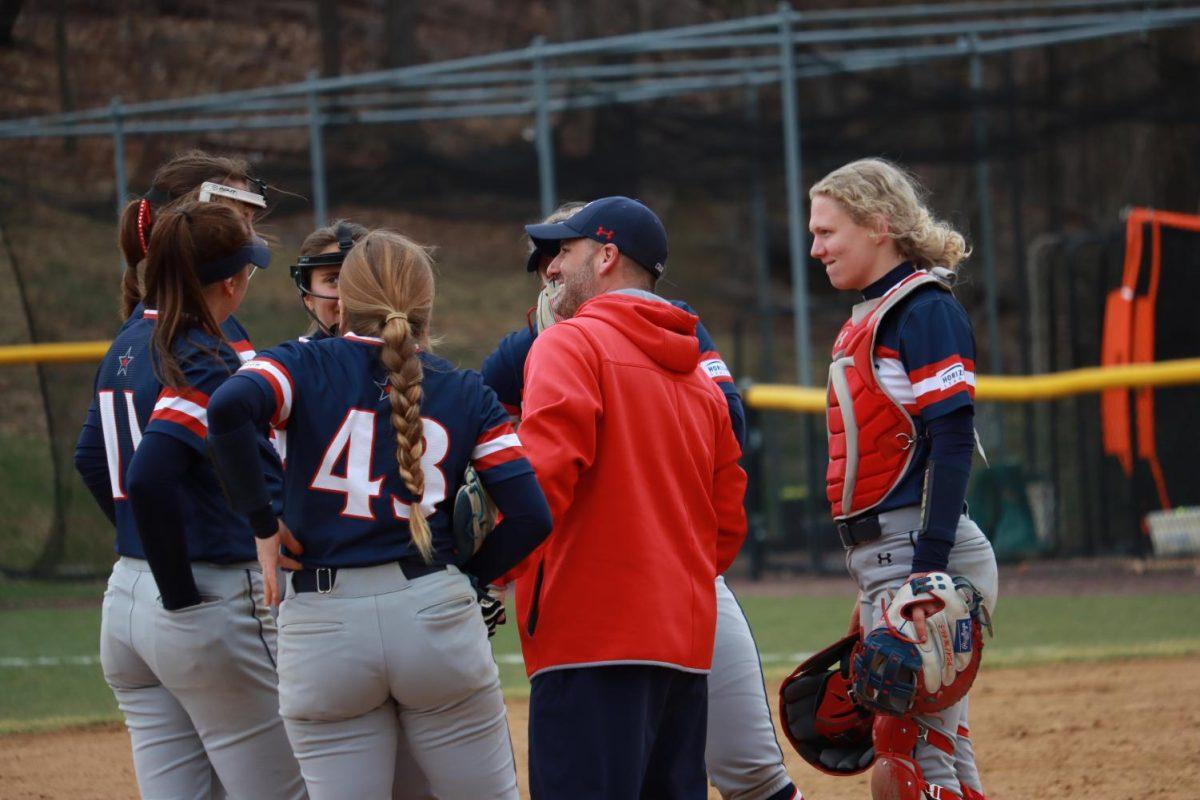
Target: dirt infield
[{"x": 1121, "y": 730}]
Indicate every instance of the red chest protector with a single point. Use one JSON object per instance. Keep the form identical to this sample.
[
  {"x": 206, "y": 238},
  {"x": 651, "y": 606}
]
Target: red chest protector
[{"x": 870, "y": 432}]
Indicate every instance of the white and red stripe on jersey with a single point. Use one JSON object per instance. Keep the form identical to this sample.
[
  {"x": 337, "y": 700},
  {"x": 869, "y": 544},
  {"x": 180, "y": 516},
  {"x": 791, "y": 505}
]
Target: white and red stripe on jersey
[
  {"x": 187, "y": 407},
  {"x": 496, "y": 446},
  {"x": 715, "y": 367},
  {"x": 245, "y": 350},
  {"x": 281, "y": 384},
  {"x": 924, "y": 386}
]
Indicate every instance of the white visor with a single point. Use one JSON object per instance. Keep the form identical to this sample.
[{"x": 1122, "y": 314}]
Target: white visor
[{"x": 208, "y": 189}]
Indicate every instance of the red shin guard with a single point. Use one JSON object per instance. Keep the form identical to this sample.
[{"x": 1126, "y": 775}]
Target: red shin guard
[{"x": 895, "y": 775}]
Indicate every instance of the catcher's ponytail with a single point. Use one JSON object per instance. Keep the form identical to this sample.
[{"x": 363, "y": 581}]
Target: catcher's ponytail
[{"x": 386, "y": 289}]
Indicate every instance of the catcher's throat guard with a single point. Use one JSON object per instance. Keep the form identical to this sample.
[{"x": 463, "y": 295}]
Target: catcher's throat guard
[
  {"x": 895, "y": 674},
  {"x": 820, "y": 718}
]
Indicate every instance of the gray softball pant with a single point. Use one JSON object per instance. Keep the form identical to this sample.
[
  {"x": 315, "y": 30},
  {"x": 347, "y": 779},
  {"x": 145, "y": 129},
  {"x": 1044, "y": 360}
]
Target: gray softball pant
[
  {"x": 741, "y": 754},
  {"x": 198, "y": 686},
  {"x": 380, "y": 657},
  {"x": 879, "y": 568}
]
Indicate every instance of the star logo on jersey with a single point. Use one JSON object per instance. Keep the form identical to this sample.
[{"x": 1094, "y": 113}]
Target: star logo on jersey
[
  {"x": 125, "y": 360},
  {"x": 384, "y": 388}
]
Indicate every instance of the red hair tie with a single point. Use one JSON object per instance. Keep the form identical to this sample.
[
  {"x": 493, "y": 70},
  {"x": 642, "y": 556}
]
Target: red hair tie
[{"x": 143, "y": 224}]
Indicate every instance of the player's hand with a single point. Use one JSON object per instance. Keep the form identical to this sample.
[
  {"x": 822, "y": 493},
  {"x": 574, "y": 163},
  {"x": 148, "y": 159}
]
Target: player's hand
[
  {"x": 919, "y": 611},
  {"x": 493, "y": 612},
  {"x": 271, "y": 560}
]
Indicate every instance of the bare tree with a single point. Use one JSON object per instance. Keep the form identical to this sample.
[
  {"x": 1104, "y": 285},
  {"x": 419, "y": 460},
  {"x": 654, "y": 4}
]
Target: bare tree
[
  {"x": 331, "y": 42},
  {"x": 9, "y": 11},
  {"x": 399, "y": 33},
  {"x": 66, "y": 94}
]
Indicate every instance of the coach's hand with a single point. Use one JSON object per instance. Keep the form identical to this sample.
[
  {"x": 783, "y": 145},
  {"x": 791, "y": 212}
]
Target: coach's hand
[{"x": 272, "y": 559}]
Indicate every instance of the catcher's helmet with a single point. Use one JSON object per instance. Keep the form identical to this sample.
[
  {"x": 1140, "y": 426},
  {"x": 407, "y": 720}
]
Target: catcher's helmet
[
  {"x": 305, "y": 264},
  {"x": 820, "y": 718}
]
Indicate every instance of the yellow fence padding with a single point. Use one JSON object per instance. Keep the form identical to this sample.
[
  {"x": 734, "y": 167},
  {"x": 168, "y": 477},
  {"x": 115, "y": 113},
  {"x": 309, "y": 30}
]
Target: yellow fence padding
[
  {"x": 58, "y": 353},
  {"x": 1006, "y": 388},
  {"x": 805, "y": 399}
]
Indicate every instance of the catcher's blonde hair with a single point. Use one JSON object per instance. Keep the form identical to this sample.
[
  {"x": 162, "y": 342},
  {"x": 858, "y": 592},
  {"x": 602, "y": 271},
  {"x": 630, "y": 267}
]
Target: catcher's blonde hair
[
  {"x": 386, "y": 289},
  {"x": 565, "y": 211},
  {"x": 873, "y": 189}
]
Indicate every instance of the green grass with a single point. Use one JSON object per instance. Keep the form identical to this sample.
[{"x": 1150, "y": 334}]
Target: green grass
[
  {"x": 21, "y": 593},
  {"x": 1030, "y": 630}
]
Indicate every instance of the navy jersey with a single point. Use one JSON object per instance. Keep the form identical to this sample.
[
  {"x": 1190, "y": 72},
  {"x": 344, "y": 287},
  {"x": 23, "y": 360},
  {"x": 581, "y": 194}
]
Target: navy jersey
[
  {"x": 344, "y": 498},
  {"x": 130, "y": 402},
  {"x": 504, "y": 370},
  {"x": 925, "y": 356}
]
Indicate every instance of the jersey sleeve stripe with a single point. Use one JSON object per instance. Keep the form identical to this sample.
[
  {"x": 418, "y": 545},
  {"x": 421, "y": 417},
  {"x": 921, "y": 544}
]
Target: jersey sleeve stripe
[
  {"x": 196, "y": 424},
  {"x": 503, "y": 429},
  {"x": 886, "y": 352},
  {"x": 497, "y": 458},
  {"x": 506, "y": 442},
  {"x": 937, "y": 367},
  {"x": 186, "y": 393},
  {"x": 953, "y": 378},
  {"x": 280, "y": 381},
  {"x": 497, "y": 446},
  {"x": 245, "y": 351},
  {"x": 187, "y": 407},
  {"x": 715, "y": 367}
]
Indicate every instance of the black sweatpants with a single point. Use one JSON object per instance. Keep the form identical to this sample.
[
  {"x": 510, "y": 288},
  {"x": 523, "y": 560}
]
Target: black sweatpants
[{"x": 617, "y": 733}]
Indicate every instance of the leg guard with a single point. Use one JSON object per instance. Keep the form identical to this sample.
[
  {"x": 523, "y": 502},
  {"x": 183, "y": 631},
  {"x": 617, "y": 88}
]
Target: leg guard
[{"x": 895, "y": 775}]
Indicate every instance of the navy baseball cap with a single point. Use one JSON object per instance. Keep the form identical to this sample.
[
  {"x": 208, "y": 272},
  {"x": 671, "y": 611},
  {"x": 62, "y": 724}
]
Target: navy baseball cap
[{"x": 634, "y": 229}]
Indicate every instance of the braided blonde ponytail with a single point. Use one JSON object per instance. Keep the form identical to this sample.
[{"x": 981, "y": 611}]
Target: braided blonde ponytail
[{"x": 386, "y": 289}]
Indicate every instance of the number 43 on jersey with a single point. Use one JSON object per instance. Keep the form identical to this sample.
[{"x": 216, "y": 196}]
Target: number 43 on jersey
[{"x": 354, "y": 445}]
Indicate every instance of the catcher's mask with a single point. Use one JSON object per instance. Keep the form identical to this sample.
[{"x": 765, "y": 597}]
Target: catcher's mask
[
  {"x": 897, "y": 675},
  {"x": 301, "y": 271},
  {"x": 820, "y": 718}
]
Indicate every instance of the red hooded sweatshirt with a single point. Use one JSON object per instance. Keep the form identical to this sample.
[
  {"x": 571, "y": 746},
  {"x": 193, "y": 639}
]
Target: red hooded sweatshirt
[{"x": 632, "y": 444}]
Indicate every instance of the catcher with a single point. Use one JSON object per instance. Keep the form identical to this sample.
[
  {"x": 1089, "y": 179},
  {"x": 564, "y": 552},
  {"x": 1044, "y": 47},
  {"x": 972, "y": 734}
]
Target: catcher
[{"x": 901, "y": 436}]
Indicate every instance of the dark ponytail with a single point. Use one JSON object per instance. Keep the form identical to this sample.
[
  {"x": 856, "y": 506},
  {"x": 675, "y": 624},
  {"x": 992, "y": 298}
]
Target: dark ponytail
[
  {"x": 130, "y": 231},
  {"x": 183, "y": 238},
  {"x": 178, "y": 179}
]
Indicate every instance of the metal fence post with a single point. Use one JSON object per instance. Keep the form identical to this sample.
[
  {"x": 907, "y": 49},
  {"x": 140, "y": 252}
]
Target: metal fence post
[
  {"x": 795, "y": 199},
  {"x": 316, "y": 153},
  {"x": 799, "y": 263},
  {"x": 768, "y": 455},
  {"x": 119, "y": 154},
  {"x": 983, "y": 187},
  {"x": 542, "y": 133}
]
